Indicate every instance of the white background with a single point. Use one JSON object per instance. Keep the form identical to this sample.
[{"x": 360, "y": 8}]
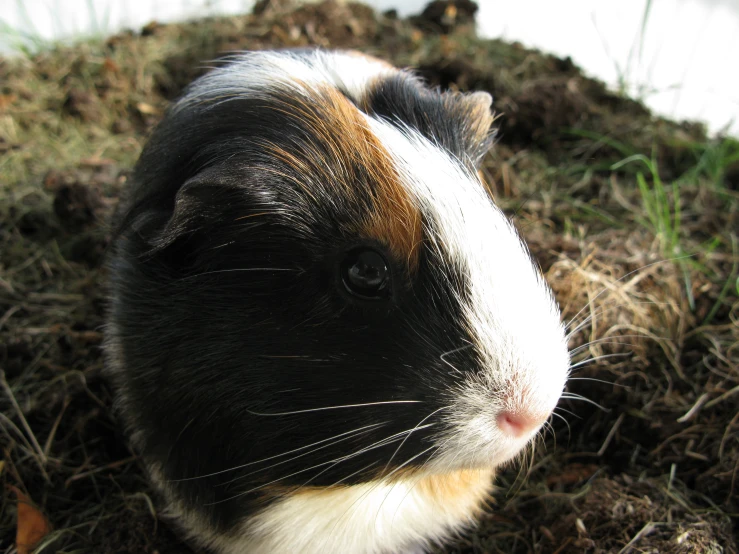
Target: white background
[{"x": 685, "y": 64}]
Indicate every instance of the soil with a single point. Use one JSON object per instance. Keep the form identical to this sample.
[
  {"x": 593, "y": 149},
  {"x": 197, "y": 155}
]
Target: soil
[{"x": 653, "y": 468}]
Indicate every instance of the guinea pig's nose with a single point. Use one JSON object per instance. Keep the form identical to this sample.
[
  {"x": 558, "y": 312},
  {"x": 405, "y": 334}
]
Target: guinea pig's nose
[{"x": 518, "y": 424}]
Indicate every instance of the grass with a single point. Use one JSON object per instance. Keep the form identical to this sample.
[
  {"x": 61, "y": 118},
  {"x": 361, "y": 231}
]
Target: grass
[
  {"x": 713, "y": 159},
  {"x": 25, "y": 42},
  {"x": 30, "y": 42},
  {"x": 625, "y": 70},
  {"x": 605, "y": 194},
  {"x": 660, "y": 205},
  {"x": 637, "y": 48}
]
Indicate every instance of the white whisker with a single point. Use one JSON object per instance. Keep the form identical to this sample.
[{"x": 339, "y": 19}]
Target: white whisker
[
  {"x": 572, "y": 396},
  {"x": 335, "y": 407},
  {"x": 410, "y": 433},
  {"x": 603, "y": 310},
  {"x": 598, "y": 358},
  {"x": 277, "y": 455},
  {"x": 599, "y": 381},
  {"x": 410, "y": 489},
  {"x": 334, "y": 461},
  {"x": 383, "y": 442},
  {"x": 262, "y": 469},
  {"x": 586, "y": 306},
  {"x": 612, "y": 340},
  {"x": 237, "y": 270},
  {"x": 450, "y": 352},
  {"x": 569, "y": 430},
  {"x": 573, "y": 414}
]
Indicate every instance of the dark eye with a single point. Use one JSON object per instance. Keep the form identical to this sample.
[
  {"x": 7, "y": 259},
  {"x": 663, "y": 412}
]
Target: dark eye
[{"x": 365, "y": 274}]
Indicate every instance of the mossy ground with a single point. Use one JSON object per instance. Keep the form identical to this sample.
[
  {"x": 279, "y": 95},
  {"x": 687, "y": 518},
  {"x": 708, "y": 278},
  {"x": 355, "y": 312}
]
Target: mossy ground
[{"x": 647, "y": 250}]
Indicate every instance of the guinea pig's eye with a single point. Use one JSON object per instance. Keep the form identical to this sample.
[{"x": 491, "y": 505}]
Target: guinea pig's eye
[{"x": 365, "y": 274}]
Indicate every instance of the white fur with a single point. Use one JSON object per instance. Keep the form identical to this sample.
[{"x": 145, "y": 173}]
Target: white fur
[
  {"x": 372, "y": 518},
  {"x": 306, "y": 72},
  {"x": 511, "y": 315}
]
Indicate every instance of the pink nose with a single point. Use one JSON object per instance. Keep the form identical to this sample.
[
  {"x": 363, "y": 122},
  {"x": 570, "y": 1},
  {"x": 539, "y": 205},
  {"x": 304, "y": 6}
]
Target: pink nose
[{"x": 518, "y": 424}]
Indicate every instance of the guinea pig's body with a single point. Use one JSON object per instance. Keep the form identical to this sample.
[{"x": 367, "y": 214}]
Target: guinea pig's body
[{"x": 324, "y": 335}]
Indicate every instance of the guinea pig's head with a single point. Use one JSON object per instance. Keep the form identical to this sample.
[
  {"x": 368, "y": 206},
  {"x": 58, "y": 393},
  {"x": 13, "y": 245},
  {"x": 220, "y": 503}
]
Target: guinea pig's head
[{"x": 311, "y": 285}]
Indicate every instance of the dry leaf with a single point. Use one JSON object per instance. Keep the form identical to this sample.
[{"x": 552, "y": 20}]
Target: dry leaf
[
  {"x": 96, "y": 162},
  {"x": 110, "y": 66},
  {"x": 32, "y": 524},
  {"x": 6, "y": 100}
]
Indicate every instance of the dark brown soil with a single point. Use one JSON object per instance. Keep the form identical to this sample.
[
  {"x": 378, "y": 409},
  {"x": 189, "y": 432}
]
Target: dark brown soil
[{"x": 655, "y": 470}]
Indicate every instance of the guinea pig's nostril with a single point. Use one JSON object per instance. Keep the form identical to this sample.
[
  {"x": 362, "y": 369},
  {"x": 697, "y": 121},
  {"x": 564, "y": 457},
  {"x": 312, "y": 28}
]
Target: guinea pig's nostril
[{"x": 517, "y": 424}]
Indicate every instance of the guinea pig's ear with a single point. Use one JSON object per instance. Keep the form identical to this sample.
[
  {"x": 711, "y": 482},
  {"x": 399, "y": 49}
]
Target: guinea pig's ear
[
  {"x": 459, "y": 123},
  {"x": 473, "y": 111},
  {"x": 203, "y": 202}
]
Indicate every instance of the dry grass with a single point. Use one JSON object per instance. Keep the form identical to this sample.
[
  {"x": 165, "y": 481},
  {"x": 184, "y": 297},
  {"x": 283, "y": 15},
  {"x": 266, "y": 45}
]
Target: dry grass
[{"x": 656, "y": 469}]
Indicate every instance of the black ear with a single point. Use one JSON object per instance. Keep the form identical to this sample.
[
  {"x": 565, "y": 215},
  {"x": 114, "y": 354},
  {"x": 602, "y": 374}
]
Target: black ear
[
  {"x": 197, "y": 205},
  {"x": 204, "y": 208},
  {"x": 459, "y": 122}
]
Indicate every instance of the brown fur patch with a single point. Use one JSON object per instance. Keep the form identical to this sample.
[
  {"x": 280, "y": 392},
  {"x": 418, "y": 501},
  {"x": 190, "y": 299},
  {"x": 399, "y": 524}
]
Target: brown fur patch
[
  {"x": 354, "y": 153},
  {"x": 464, "y": 490},
  {"x": 458, "y": 487}
]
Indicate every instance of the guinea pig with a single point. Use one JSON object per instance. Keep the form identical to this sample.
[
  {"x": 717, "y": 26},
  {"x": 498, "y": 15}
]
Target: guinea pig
[{"x": 324, "y": 335}]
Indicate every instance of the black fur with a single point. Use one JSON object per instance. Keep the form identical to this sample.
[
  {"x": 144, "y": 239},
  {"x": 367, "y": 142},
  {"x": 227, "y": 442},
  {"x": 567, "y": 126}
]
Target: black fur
[{"x": 225, "y": 302}]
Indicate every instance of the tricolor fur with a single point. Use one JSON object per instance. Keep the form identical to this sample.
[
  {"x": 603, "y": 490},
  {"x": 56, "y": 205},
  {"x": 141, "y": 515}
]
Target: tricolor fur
[{"x": 236, "y": 355}]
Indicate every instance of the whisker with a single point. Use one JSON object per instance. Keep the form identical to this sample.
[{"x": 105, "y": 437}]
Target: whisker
[
  {"x": 569, "y": 430},
  {"x": 275, "y": 456},
  {"x": 598, "y": 381},
  {"x": 613, "y": 340},
  {"x": 584, "y": 322},
  {"x": 454, "y": 351},
  {"x": 603, "y": 310},
  {"x": 598, "y": 358},
  {"x": 347, "y": 477},
  {"x": 378, "y": 483},
  {"x": 236, "y": 270},
  {"x": 409, "y": 460},
  {"x": 573, "y": 396},
  {"x": 450, "y": 352},
  {"x": 332, "y": 485},
  {"x": 586, "y": 306},
  {"x": 549, "y": 428},
  {"x": 608, "y": 340},
  {"x": 410, "y": 433},
  {"x": 520, "y": 474},
  {"x": 573, "y": 414},
  {"x": 262, "y": 469},
  {"x": 334, "y": 407},
  {"x": 378, "y": 444},
  {"x": 410, "y": 489},
  {"x": 334, "y": 461},
  {"x": 394, "y": 438},
  {"x": 580, "y": 350}
]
